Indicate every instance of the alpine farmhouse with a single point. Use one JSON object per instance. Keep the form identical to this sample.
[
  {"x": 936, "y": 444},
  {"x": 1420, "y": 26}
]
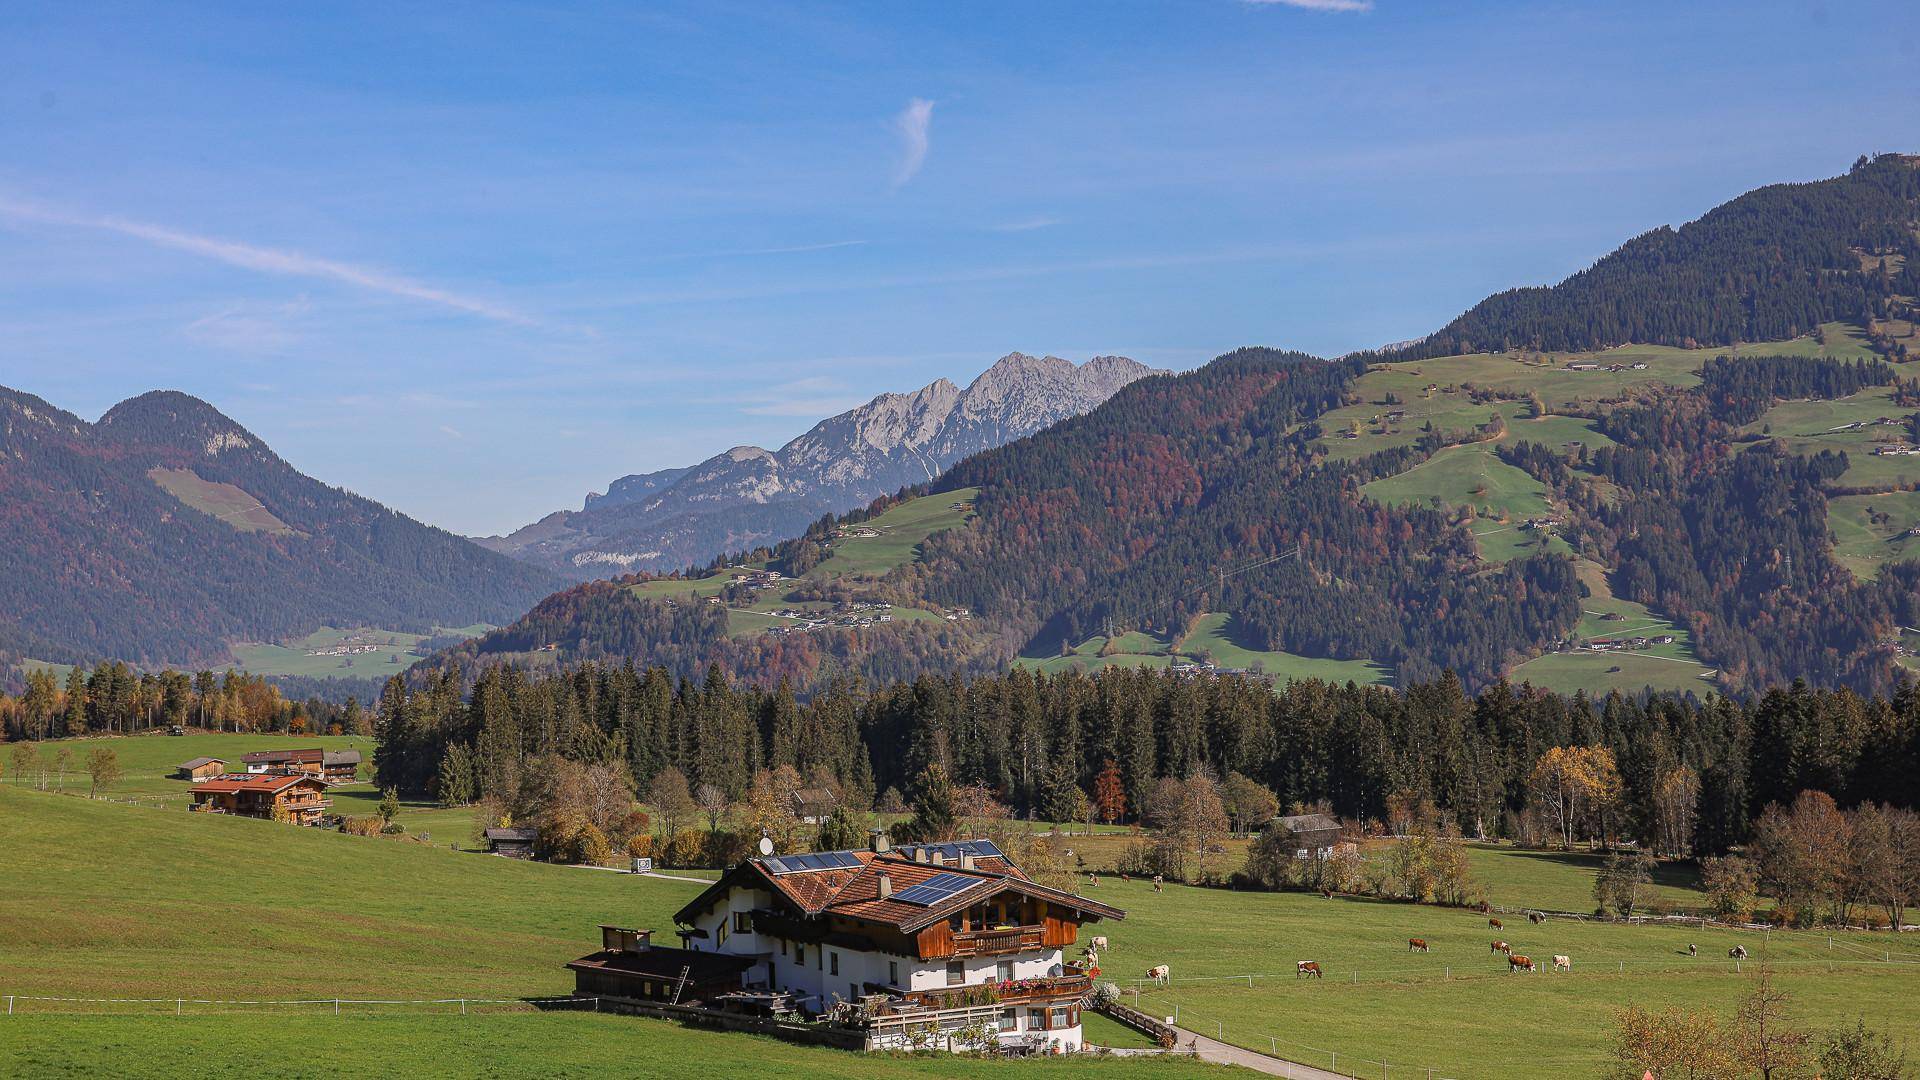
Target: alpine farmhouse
[{"x": 925, "y": 946}]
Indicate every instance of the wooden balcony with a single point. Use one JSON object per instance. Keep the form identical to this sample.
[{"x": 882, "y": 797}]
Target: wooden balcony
[{"x": 998, "y": 942}]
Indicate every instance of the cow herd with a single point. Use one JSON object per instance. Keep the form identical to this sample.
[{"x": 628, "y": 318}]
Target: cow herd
[{"x": 1516, "y": 962}]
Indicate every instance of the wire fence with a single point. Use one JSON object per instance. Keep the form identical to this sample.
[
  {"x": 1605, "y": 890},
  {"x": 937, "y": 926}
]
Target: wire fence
[{"x": 39, "y": 1004}]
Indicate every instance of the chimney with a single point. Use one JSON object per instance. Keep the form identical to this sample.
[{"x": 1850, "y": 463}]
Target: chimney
[
  {"x": 966, "y": 860},
  {"x": 920, "y": 855},
  {"x": 886, "y": 885},
  {"x": 877, "y": 840},
  {"x": 938, "y": 859}
]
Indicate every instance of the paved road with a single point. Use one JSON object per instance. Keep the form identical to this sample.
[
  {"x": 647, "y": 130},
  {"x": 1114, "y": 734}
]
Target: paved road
[{"x": 1223, "y": 1054}]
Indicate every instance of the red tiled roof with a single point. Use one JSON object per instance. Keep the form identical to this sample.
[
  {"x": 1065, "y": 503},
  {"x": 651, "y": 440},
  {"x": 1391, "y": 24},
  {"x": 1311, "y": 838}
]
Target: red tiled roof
[
  {"x": 855, "y": 893},
  {"x": 269, "y": 783}
]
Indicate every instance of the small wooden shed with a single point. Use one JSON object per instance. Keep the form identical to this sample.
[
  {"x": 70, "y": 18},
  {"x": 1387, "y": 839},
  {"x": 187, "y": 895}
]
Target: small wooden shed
[
  {"x": 514, "y": 843},
  {"x": 200, "y": 768}
]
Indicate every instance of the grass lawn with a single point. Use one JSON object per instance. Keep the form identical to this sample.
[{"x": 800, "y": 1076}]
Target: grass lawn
[
  {"x": 447, "y": 1044},
  {"x": 1870, "y": 531},
  {"x": 1456, "y": 1009},
  {"x": 1808, "y": 427},
  {"x": 392, "y": 652},
  {"x": 147, "y": 761},
  {"x": 224, "y": 501},
  {"x": 1603, "y": 615},
  {"x": 1211, "y": 638},
  {"x": 901, "y": 529},
  {"x": 167, "y": 904},
  {"x": 1502, "y": 498}
]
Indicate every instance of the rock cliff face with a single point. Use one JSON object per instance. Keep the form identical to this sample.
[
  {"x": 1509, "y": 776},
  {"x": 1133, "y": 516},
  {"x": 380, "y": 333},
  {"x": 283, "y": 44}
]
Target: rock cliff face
[{"x": 676, "y": 517}]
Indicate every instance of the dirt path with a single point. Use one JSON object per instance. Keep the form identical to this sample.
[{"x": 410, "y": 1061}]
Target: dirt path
[{"x": 1224, "y": 1054}]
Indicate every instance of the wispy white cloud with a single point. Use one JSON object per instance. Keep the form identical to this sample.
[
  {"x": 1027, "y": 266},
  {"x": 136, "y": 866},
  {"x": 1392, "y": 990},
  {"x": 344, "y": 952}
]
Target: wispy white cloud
[
  {"x": 797, "y": 249},
  {"x": 452, "y": 432},
  {"x": 1317, "y": 5},
  {"x": 265, "y": 260},
  {"x": 1028, "y": 224},
  {"x": 912, "y": 126}
]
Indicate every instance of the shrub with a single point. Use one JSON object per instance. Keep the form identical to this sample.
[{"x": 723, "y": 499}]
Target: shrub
[
  {"x": 361, "y": 826},
  {"x": 392, "y": 828}
]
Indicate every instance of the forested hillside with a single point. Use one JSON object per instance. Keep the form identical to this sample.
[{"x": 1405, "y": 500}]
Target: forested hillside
[
  {"x": 166, "y": 531},
  {"x": 1593, "y": 518},
  {"x": 1770, "y": 265}
]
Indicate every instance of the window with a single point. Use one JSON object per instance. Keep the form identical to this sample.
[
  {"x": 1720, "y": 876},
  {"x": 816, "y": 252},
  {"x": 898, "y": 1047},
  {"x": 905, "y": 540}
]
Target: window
[
  {"x": 1009, "y": 1019},
  {"x": 956, "y": 973},
  {"x": 720, "y": 934},
  {"x": 819, "y": 959},
  {"x": 1036, "y": 1019},
  {"x": 836, "y": 964},
  {"x": 1059, "y": 1019},
  {"x": 893, "y": 973},
  {"x": 955, "y": 922},
  {"x": 799, "y": 953},
  {"x": 1003, "y": 971},
  {"x": 742, "y": 922}
]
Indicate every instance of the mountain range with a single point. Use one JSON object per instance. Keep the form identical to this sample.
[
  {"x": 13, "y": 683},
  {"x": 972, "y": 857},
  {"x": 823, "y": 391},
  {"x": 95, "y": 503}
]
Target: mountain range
[
  {"x": 1691, "y": 466},
  {"x": 749, "y": 496},
  {"x": 166, "y": 531}
]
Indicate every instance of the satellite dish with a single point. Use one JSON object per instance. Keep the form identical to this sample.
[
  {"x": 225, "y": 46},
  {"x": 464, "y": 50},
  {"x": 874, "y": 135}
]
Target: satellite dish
[{"x": 766, "y": 845}]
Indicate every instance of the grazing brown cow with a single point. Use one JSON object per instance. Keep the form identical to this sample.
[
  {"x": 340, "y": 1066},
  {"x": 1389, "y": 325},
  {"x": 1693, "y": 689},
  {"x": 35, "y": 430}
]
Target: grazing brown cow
[
  {"x": 1326, "y": 893},
  {"x": 1415, "y": 944},
  {"x": 1562, "y": 962},
  {"x": 1309, "y": 969},
  {"x": 1501, "y": 947},
  {"x": 1516, "y": 962},
  {"x": 1495, "y": 924}
]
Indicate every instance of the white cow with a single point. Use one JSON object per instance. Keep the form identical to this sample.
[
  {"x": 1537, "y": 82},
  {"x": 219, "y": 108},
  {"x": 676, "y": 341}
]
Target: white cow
[
  {"x": 1160, "y": 974},
  {"x": 1100, "y": 944},
  {"x": 1562, "y": 963}
]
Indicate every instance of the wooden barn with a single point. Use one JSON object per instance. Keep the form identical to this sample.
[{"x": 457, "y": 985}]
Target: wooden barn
[
  {"x": 340, "y": 766},
  {"x": 302, "y": 797},
  {"x": 629, "y": 965},
  {"x": 514, "y": 843},
  {"x": 200, "y": 768},
  {"x": 1315, "y": 836},
  {"x": 266, "y": 761}
]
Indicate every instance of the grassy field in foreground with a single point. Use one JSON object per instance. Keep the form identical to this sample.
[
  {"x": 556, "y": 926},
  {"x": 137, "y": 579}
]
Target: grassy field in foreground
[
  {"x": 489, "y": 1045},
  {"x": 108, "y": 900},
  {"x": 166, "y": 904},
  {"x": 1455, "y": 1008}
]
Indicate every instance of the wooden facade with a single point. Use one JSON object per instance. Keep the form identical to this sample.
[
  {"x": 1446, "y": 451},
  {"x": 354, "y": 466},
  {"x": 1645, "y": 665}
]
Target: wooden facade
[
  {"x": 300, "y": 797},
  {"x": 200, "y": 768}
]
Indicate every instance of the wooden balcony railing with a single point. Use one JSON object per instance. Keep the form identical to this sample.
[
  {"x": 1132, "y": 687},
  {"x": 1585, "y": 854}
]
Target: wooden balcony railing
[{"x": 998, "y": 942}]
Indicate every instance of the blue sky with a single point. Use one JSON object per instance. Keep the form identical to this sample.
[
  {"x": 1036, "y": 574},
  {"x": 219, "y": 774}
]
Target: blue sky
[{"x": 475, "y": 260}]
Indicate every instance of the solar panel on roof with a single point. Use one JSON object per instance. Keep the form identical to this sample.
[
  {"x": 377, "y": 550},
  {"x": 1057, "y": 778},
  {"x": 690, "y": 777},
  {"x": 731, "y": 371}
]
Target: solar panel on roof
[
  {"x": 936, "y": 888},
  {"x": 812, "y": 860}
]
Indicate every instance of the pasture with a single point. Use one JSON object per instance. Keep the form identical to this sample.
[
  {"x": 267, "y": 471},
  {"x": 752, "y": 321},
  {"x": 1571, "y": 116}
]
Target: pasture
[
  {"x": 901, "y": 531},
  {"x": 220, "y": 500},
  {"x": 169, "y": 905},
  {"x": 1455, "y": 1008},
  {"x": 1501, "y": 497},
  {"x": 388, "y": 652},
  {"x": 1870, "y": 531},
  {"x": 1602, "y": 615},
  {"x": 1210, "y": 638}
]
